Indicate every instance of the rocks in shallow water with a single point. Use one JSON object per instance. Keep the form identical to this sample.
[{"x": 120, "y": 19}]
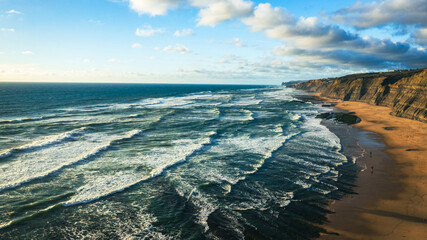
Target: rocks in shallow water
[
  {"x": 348, "y": 118},
  {"x": 328, "y": 105}
]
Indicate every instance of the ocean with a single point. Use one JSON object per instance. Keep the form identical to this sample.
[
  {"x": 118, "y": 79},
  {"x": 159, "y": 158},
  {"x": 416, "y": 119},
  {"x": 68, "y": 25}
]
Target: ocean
[{"x": 152, "y": 161}]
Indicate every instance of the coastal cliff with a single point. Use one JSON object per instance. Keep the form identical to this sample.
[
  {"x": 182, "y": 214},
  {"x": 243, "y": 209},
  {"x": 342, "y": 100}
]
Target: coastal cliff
[{"x": 405, "y": 92}]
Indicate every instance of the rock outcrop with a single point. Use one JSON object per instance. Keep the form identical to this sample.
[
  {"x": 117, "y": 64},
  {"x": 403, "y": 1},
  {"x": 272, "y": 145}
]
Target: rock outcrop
[{"x": 405, "y": 92}]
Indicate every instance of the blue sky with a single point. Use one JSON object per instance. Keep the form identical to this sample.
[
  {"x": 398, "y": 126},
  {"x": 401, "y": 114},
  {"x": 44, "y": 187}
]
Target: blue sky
[{"x": 207, "y": 41}]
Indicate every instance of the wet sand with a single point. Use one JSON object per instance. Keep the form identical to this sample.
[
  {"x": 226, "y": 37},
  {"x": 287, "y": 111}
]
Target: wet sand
[{"x": 392, "y": 200}]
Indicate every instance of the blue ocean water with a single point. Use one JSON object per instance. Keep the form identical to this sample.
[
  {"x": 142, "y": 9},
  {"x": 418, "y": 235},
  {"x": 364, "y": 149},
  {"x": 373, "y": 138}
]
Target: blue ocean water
[{"x": 150, "y": 161}]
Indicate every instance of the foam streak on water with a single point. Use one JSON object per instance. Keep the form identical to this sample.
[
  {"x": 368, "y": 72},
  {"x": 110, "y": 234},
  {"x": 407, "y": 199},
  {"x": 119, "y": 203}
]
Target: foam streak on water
[
  {"x": 30, "y": 166},
  {"x": 159, "y": 160},
  {"x": 44, "y": 141}
]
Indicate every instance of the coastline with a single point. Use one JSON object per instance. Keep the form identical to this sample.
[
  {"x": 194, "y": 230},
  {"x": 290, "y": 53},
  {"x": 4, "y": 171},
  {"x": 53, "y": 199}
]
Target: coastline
[{"x": 391, "y": 202}]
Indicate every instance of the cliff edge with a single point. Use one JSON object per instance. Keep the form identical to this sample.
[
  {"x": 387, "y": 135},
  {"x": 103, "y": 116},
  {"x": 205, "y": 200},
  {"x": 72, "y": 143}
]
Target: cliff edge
[{"x": 405, "y": 92}]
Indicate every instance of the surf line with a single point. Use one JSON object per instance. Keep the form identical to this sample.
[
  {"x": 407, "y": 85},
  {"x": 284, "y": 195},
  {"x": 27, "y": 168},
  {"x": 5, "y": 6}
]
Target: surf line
[
  {"x": 201, "y": 147},
  {"x": 24, "y": 218},
  {"x": 93, "y": 152},
  {"x": 44, "y": 142}
]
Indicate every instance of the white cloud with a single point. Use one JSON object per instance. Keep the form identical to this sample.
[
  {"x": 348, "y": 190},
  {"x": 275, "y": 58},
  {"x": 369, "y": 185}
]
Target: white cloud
[
  {"x": 147, "y": 31},
  {"x": 7, "y": 29},
  {"x": 217, "y": 11},
  {"x": 184, "y": 33},
  {"x": 136, "y": 45},
  {"x": 12, "y": 11},
  {"x": 86, "y": 60},
  {"x": 312, "y": 33},
  {"x": 312, "y": 39},
  {"x": 303, "y": 32},
  {"x": 381, "y": 13},
  {"x": 422, "y": 33},
  {"x": 265, "y": 17},
  {"x": 27, "y": 52},
  {"x": 153, "y": 7},
  {"x": 179, "y": 48},
  {"x": 420, "y": 36},
  {"x": 212, "y": 11},
  {"x": 238, "y": 42}
]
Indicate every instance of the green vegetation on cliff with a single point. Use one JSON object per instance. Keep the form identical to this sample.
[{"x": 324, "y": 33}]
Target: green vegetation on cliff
[{"x": 405, "y": 92}]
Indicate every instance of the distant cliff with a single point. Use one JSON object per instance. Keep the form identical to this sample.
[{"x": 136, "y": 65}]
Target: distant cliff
[{"x": 405, "y": 92}]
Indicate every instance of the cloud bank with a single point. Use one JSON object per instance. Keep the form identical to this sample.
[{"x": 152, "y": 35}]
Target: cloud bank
[
  {"x": 381, "y": 13},
  {"x": 310, "y": 39}
]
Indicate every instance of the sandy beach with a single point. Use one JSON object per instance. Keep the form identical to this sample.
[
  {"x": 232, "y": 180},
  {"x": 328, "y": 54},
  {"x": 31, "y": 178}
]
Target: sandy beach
[{"x": 391, "y": 200}]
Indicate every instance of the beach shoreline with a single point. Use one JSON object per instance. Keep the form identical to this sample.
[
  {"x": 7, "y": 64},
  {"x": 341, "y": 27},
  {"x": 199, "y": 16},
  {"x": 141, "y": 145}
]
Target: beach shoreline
[{"x": 391, "y": 197}]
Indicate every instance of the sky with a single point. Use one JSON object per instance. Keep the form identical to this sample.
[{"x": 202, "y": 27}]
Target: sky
[{"x": 207, "y": 41}]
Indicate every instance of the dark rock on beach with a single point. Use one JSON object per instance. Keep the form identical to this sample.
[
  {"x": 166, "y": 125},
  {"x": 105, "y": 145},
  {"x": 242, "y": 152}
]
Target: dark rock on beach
[{"x": 348, "y": 118}]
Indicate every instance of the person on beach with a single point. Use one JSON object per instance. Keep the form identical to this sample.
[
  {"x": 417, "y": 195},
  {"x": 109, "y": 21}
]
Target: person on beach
[{"x": 372, "y": 169}]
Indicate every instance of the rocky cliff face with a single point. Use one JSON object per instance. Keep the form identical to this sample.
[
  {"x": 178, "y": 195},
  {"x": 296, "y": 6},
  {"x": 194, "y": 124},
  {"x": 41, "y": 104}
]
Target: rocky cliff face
[{"x": 405, "y": 92}]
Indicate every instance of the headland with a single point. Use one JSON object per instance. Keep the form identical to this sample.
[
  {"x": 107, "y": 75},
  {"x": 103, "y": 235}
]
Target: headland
[{"x": 391, "y": 199}]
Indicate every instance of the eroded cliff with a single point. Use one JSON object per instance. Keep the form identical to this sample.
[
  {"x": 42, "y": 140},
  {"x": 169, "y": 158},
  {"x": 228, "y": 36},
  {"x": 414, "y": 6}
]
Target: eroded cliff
[{"x": 405, "y": 92}]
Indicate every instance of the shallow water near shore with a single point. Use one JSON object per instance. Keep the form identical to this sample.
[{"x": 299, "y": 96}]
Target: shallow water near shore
[{"x": 126, "y": 161}]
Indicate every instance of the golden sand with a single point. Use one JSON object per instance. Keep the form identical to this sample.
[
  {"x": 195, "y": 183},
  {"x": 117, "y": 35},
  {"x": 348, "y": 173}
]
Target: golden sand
[{"x": 397, "y": 207}]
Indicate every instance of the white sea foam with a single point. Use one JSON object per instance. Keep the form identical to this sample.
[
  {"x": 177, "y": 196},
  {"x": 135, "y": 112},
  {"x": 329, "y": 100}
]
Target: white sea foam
[
  {"x": 97, "y": 108},
  {"x": 217, "y": 170},
  {"x": 203, "y": 114},
  {"x": 262, "y": 146},
  {"x": 75, "y": 113},
  {"x": 158, "y": 160},
  {"x": 319, "y": 137},
  {"x": 129, "y": 221},
  {"x": 323, "y": 155},
  {"x": 93, "y": 119},
  {"x": 39, "y": 164},
  {"x": 303, "y": 184},
  {"x": 21, "y": 219},
  {"x": 204, "y": 203},
  {"x": 240, "y": 115},
  {"x": 244, "y": 101},
  {"x": 215, "y": 167},
  {"x": 283, "y": 94},
  {"x": 172, "y": 102},
  {"x": 25, "y": 119},
  {"x": 321, "y": 191},
  {"x": 44, "y": 141},
  {"x": 260, "y": 197},
  {"x": 309, "y": 167},
  {"x": 250, "y": 115},
  {"x": 175, "y": 102},
  {"x": 295, "y": 117}
]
